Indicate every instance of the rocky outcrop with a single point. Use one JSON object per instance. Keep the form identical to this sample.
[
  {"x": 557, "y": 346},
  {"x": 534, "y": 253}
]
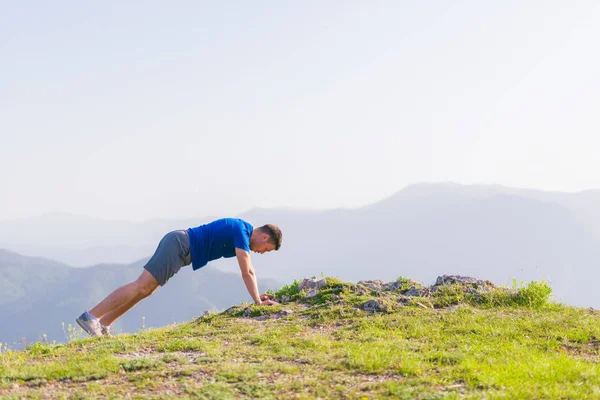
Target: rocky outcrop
[
  {"x": 376, "y": 305},
  {"x": 312, "y": 283},
  {"x": 450, "y": 279},
  {"x": 380, "y": 296}
]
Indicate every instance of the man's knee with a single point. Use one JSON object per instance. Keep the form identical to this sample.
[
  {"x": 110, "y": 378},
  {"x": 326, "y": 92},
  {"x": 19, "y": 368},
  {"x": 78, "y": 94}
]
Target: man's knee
[{"x": 146, "y": 284}]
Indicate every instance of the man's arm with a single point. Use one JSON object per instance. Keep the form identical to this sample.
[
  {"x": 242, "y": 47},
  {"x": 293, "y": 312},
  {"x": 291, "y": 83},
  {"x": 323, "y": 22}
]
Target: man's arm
[{"x": 249, "y": 276}]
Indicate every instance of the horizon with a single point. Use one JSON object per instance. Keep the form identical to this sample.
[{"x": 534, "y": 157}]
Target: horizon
[
  {"x": 291, "y": 208},
  {"x": 488, "y": 231}
]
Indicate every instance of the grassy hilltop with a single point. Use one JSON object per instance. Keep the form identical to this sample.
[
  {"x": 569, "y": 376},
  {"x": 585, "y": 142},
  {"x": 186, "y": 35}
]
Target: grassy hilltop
[{"x": 337, "y": 340}]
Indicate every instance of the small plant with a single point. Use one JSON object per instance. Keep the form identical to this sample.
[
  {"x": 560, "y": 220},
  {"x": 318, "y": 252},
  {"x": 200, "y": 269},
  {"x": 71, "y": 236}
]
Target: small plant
[
  {"x": 257, "y": 311},
  {"x": 334, "y": 282},
  {"x": 405, "y": 283},
  {"x": 139, "y": 364},
  {"x": 40, "y": 348},
  {"x": 71, "y": 333},
  {"x": 449, "y": 295},
  {"x": 289, "y": 289},
  {"x": 4, "y": 348},
  {"x": 534, "y": 295}
]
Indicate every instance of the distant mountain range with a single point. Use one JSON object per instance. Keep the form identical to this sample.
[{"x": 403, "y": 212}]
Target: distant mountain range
[
  {"x": 37, "y": 295},
  {"x": 422, "y": 231},
  {"x": 83, "y": 241},
  {"x": 428, "y": 230}
]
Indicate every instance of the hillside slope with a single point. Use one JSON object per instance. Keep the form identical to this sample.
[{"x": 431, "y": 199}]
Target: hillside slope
[{"x": 459, "y": 338}]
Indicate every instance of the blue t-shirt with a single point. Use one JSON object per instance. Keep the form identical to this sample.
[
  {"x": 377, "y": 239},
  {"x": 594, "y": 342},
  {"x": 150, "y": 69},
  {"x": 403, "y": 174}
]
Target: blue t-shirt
[{"x": 218, "y": 239}]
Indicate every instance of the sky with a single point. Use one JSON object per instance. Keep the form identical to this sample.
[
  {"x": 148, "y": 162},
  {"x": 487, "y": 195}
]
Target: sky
[{"x": 141, "y": 109}]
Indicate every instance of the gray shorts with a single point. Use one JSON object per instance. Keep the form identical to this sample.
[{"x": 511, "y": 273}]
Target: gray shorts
[{"x": 173, "y": 252}]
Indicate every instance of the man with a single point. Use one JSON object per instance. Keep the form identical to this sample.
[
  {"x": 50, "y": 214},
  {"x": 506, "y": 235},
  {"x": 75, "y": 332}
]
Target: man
[{"x": 227, "y": 237}]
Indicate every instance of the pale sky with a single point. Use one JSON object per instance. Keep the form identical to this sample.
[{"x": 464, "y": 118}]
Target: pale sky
[{"x": 156, "y": 109}]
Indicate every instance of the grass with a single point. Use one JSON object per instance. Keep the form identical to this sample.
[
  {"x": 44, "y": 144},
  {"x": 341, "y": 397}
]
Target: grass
[{"x": 506, "y": 343}]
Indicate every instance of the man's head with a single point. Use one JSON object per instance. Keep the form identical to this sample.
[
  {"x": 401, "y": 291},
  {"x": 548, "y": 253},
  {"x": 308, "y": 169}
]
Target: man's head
[{"x": 265, "y": 239}]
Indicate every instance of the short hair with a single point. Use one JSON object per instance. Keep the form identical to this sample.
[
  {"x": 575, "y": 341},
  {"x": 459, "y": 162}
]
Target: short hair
[{"x": 274, "y": 234}]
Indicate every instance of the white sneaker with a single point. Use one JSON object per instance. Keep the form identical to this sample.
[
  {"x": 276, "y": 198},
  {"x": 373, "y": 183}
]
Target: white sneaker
[{"x": 90, "y": 325}]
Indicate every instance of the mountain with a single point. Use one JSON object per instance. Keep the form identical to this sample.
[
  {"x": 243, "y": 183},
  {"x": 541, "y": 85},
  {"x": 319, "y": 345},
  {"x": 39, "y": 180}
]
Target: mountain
[
  {"x": 430, "y": 230},
  {"x": 423, "y": 230},
  {"x": 83, "y": 241},
  {"x": 85, "y": 256},
  {"x": 38, "y": 295}
]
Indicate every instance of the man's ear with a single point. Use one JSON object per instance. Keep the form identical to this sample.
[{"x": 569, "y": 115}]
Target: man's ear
[{"x": 265, "y": 237}]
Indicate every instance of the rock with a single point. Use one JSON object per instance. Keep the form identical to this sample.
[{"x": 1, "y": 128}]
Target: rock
[
  {"x": 247, "y": 312},
  {"x": 312, "y": 293},
  {"x": 312, "y": 283},
  {"x": 376, "y": 285},
  {"x": 284, "y": 313},
  {"x": 362, "y": 290},
  {"x": 413, "y": 291},
  {"x": 450, "y": 279},
  {"x": 231, "y": 310},
  {"x": 375, "y": 305},
  {"x": 421, "y": 305},
  {"x": 285, "y": 299},
  {"x": 404, "y": 300}
]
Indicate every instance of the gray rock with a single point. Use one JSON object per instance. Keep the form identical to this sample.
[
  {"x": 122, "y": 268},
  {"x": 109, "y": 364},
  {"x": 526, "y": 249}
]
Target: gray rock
[
  {"x": 450, "y": 279},
  {"x": 247, "y": 312},
  {"x": 284, "y": 313},
  {"x": 413, "y": 291},
  {"x": 375, "y": 305},
  {"x": 375, "y": 285},
  {"x": 285, "y": 299},
  {"x": 231, "y": 310},
  {"x": 312, "y": 293},
  {"x": 362, "y": 290},
  {"x": 312, "y": 283}
]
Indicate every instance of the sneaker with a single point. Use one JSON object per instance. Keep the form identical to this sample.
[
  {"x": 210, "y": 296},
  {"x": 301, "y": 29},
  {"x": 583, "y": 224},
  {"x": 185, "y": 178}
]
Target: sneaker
[
  {"x": 90, "y": 325},
  {"x": 105, "y": 330}
]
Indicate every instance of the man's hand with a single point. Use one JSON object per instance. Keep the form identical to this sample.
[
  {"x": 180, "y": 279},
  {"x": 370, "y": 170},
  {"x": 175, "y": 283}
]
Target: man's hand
[{"x": 266, "y": 296}]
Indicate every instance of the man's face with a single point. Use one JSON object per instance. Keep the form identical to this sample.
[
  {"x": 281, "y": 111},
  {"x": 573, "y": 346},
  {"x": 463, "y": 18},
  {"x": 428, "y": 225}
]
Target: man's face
[{"x": 263, "y": 246}]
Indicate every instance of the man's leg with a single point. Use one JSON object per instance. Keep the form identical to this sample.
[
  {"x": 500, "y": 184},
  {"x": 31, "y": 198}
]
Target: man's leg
[
  {"x": 112, "y": 316},
  {"x": 173, "y": 252},
  {"x": 124, "y": 298}
]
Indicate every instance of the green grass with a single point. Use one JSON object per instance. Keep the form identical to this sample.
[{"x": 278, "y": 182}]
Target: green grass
[{"x": 508, "y": 343}]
